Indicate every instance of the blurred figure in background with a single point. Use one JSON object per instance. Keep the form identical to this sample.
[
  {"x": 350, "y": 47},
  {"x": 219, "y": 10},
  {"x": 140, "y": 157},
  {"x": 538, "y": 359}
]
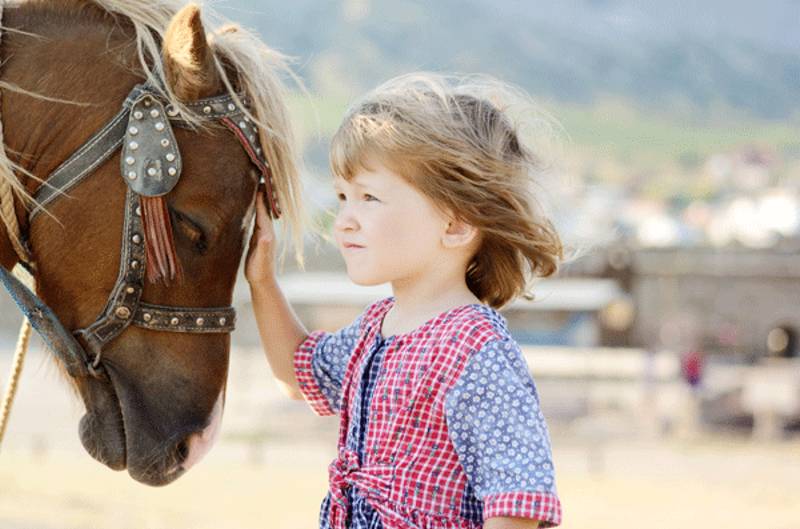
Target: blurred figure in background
[{"x": 692, "y": 368}]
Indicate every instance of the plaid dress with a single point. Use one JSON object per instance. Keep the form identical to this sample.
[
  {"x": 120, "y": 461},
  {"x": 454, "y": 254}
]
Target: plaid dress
[{"x": 439, "y": 428}]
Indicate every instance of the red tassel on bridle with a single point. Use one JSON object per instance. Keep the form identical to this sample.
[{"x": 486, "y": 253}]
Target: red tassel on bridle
[{"x": 162, "y": 257}]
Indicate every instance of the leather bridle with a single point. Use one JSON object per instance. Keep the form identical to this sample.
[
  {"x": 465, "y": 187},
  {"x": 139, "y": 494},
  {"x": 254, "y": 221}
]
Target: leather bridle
[{"x": 151, "y": 167}]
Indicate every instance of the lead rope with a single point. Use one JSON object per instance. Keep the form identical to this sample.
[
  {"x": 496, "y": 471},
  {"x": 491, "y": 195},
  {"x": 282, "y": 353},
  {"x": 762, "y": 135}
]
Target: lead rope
[
  {"x": 13, "y": 377},
  {"x": 9, "y": 218}
]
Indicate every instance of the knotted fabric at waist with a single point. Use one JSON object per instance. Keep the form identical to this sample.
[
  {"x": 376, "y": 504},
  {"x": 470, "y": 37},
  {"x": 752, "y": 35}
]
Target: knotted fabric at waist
[{"x": 372, "y": 482}]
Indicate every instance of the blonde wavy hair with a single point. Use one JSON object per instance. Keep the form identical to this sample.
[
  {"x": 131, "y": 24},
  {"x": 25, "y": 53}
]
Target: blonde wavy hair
[{"x": 456, "y": 140}]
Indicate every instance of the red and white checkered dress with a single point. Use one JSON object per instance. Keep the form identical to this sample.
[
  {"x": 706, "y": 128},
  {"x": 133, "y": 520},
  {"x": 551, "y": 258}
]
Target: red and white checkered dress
[{"x": 440, "y": 427}]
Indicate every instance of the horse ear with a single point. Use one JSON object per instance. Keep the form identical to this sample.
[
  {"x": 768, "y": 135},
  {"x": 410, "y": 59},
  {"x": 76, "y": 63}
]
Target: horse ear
[{"x": 188, "y": 58}]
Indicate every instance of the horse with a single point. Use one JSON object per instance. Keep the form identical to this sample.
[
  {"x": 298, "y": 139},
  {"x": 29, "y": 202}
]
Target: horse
[{"x": 153, "y": 397}]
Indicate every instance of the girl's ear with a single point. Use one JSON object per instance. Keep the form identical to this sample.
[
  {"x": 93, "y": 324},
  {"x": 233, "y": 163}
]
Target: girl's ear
[{"x": 459, "y": 234}]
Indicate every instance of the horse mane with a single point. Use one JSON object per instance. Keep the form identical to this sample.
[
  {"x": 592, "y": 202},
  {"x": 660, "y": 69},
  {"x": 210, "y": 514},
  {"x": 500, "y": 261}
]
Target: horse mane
[{"x": 245, "y": 64}]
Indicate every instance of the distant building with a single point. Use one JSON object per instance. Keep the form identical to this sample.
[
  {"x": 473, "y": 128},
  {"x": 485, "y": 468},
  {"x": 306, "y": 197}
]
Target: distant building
[{"x": 734, "y": 300}]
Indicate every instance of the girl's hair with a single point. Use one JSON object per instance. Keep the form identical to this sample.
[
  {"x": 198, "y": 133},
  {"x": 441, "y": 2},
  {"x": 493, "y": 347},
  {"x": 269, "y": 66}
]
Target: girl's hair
[{"x": 453, "y": 139}]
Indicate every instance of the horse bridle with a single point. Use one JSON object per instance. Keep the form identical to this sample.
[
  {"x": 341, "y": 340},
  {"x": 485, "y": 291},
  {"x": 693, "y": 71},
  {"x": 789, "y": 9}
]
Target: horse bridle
[{"x": 151, "y": 167}]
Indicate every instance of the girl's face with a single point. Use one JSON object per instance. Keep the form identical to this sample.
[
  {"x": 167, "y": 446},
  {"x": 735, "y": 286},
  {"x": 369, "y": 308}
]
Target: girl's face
[{"x": 385, "y": 228}]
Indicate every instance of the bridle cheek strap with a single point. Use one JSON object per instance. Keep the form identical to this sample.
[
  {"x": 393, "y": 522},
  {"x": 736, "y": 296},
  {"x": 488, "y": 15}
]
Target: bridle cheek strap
[{"x": 240, "y": 131}]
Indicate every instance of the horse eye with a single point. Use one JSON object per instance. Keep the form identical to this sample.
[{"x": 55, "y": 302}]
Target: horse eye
[{"x": 192, "y": 231}]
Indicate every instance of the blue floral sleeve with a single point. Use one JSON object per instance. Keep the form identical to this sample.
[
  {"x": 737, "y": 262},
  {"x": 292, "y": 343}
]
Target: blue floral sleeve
[
  {"x": 320, "y": 362},
  {"x": 501, "y": 437}
]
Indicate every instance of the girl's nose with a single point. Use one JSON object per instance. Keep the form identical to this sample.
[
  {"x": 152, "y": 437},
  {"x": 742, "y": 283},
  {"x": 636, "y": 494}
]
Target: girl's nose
[{"x": 345, "y": 221}]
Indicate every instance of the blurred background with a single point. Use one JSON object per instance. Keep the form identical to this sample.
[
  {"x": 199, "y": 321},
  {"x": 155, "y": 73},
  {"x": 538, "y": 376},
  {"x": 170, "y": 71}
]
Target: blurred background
[{"x": 666, "y": 355}]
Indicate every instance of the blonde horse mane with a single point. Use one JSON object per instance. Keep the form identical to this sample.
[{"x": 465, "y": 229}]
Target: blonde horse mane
[{"x": 257, "y": 68}]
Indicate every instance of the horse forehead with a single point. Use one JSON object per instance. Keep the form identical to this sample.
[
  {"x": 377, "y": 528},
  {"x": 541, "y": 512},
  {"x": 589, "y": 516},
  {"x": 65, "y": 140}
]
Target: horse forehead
[{"x": 218, "y": 155}]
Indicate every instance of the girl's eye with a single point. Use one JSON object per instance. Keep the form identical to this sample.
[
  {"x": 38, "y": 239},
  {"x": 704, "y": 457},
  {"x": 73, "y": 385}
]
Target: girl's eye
[{"x": 367, "y": 197}]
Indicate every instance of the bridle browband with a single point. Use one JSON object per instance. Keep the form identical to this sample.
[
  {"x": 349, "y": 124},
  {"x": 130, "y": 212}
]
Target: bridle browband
[{"x": 151, "y": 167}]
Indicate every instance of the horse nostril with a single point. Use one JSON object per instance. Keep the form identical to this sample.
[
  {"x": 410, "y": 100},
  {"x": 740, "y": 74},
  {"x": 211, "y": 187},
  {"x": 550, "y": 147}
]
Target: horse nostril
[{"x": 182, "y": 451}]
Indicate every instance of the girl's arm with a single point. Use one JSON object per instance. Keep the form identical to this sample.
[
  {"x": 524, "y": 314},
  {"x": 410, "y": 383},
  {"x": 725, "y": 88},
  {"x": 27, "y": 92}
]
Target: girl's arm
[
  {"x": 510, "y": 523},
  {"x": 280, "y": 330},
  {"x": 281, "y": 333}
]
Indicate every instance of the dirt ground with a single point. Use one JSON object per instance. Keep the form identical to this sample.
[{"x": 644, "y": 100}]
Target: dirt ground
[{"x": 269, "y": 470}]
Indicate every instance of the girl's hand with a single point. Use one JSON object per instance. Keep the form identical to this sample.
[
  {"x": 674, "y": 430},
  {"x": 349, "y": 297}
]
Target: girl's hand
[{"x": 260, "y": 264}]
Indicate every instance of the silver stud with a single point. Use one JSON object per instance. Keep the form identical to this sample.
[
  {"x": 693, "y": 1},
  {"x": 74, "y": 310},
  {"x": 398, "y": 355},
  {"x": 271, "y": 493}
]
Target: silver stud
[
  {"x": 174, "y": 321},
  {"x": 135, "y": 264},
  {"x": 132, "y": 175},
  {"x": 123, "y": 313},
  {"x": 130, "y": 290},
  {"x": 152, "y": 171},
  {"x": 147, "y": 316},
  {"x": 136, "y": 238},
  {"x": 231, "y": 107},
  {"x": 130, "y": 160},
  {"x": 172, "y": 111},
  {"x": 165, "y": 143},
  {"x": 154, "y": 113},
  {"x": 200, "y": 322},
  {"x": 258, "y": 150},
  {"x": 206, "y": 109},
  {"x": 138, "y": 211},
  {"x": 172, "y": 171},
  {"x": 242, "y": 125},
  {"x": 252, "y": 138},
  {"x": 147, "y": 102},
  {"x": 223, "y": 321},
  {"x": 159, "y": 126},
  {"x": 133, "y": 145},
  {"x": 134, "y": 131},
  {"x": 138, "y": 114},
  {"x": 170, "y": 157}
]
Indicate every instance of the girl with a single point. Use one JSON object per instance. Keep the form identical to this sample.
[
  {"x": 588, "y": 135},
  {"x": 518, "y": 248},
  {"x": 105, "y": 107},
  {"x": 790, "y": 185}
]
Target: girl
[{"x": 440, "y": 424}]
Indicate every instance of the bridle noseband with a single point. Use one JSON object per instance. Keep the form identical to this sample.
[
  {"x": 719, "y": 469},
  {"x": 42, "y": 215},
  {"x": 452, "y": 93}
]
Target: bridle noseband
[{"x": 151, "y": 167}]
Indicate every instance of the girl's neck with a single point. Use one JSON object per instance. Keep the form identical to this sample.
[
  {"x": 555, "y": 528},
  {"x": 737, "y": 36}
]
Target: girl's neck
[{"x": 419, "y": 300}]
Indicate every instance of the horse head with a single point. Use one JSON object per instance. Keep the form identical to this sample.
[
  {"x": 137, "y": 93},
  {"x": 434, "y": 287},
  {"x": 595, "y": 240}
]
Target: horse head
[{"x": 68, "y": 70}]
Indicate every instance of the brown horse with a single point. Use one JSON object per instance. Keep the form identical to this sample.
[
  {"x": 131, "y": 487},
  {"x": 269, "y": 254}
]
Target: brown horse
[{"x": 67, "y": 66}]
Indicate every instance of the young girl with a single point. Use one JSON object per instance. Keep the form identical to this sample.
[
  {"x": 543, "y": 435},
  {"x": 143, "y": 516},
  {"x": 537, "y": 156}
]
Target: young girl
[{"x": 440, "y": 424}]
